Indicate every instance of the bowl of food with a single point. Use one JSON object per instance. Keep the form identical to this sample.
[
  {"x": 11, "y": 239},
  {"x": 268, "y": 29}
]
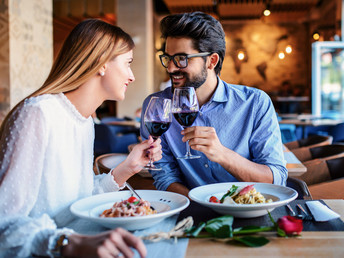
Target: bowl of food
[
  {"x": 242, "y": 199},
  {"x": 119, "y": 209}
]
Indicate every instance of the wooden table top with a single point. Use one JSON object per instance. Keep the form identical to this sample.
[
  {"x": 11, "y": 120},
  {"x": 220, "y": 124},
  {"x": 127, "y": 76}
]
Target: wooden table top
[
  {"x": 311, "y": 122},
  {"x": 332, "y": 189},
  {"x": 294, "y": 168},
  {"x": 319, "y": 244}
]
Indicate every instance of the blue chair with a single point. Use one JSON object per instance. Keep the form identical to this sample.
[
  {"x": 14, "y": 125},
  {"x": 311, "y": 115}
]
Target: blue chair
[
  {"x": 112, "y": 139},
  {"x": 108, "y": 119},
  {"x": 338, "y": 133},
  {"x": 288, "y": 132}
]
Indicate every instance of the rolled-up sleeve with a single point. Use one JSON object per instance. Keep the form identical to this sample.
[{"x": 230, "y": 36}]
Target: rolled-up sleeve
[{"x": 265, "y": 141}]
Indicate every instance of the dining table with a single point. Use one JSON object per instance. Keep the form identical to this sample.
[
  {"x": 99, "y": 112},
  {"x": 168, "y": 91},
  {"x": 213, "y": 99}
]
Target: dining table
[
  {"x": 304, "y": 121},
  {"x": 318, "y": 239},
  {"x": 321, "y": 239},
  {"x": 294, "y": 165}
]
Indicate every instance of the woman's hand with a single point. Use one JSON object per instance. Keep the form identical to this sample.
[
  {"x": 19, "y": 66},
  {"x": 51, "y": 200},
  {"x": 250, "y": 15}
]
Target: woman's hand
[
  {"x": 137, "y": 159},
  {"x": 108, "y": 244},
  {"x": 139, "y": 156}
]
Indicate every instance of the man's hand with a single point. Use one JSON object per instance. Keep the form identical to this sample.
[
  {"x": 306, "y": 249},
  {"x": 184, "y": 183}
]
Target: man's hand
[{"x": 204, "y": 139}]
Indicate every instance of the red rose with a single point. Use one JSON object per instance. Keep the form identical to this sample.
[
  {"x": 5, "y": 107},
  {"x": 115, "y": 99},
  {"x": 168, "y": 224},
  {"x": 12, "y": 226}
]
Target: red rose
[{"x": 290, "y": 225}]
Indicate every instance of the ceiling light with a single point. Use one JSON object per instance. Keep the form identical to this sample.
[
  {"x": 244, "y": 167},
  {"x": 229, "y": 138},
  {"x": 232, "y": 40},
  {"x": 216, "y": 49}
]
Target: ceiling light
[
  {"x": 267, "y": 11},
  {"x": 281, "y": 55},
  {"x": 288, "y": 49},
  {"x": 241, "y": 55},
  {"x": 316, "y": 35}
]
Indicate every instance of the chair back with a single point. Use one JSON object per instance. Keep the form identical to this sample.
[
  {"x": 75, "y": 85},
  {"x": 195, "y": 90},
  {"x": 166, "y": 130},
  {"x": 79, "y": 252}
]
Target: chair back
[
  {"x": 336, "y": 167},
  {"x": 288, "y": 132},
  {"x": 311, "y": 141},
  {"x": 327, "y": 151},
  {"x": 112, "y": 139},
  {"x": 104, "y": 163},
  {"x": 324, "y": 152},
  {"x": 338, "y": 132},
  {"x": 301, "y": 187},
  {"x": 316, "y": 140},
  {"x": 317, "y": 172}
]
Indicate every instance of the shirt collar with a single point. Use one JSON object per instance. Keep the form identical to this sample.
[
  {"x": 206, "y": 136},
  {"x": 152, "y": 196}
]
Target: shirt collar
[{"x": 221, "y": 92}]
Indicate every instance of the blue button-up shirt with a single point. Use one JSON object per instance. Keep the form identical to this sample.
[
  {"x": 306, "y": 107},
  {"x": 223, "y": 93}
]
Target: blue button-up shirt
[{"x": 245, "y": 122}]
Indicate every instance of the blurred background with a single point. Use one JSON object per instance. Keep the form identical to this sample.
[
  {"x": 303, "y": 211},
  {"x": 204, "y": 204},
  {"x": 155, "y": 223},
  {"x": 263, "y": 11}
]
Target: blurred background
[{"x": 280, "y": 46}]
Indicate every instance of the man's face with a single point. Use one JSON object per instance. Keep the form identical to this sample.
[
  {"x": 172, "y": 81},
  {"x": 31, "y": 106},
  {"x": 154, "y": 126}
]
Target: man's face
[{"x": 195, "y": 74}]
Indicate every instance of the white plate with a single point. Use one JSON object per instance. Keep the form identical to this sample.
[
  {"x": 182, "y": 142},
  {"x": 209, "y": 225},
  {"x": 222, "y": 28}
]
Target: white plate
[
  {"x": 165, "y": 203},
  {"x": 280, "y": 195}
]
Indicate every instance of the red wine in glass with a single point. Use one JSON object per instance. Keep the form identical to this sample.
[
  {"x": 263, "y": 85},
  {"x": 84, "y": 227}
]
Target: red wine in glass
[
  {"x": 185, "y": 110},
  {"x": 156, "y": 129},
  {"x": 157, "y": 120},
  {"x": 186, "y": 119}
]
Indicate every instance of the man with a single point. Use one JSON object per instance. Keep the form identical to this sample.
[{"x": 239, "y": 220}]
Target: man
[{"x": 236, "y": 132}]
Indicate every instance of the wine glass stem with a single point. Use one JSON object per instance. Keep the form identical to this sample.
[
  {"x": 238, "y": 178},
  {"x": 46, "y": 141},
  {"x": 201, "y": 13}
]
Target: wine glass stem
[
  {"x": 188, "y": 152},
  {"x": 150, "y": 163}
]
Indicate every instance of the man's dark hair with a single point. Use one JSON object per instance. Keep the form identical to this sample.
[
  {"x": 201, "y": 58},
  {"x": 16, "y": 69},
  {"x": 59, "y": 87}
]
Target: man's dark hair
[{"x": 205, "y": 32}]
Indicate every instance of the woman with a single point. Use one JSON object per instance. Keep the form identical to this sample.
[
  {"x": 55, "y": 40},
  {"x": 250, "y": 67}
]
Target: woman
[{"x": 46, "y": 147}]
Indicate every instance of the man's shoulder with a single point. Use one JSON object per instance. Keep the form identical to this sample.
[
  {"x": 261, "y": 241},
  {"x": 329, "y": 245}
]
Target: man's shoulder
[{"x": 245, "y": 91}]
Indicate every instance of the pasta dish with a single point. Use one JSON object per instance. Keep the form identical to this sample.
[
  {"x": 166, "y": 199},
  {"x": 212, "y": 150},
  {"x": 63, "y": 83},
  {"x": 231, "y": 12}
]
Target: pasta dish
[
  {"x": 131, "y": 207},
  {"x": 246, "y": 195}
]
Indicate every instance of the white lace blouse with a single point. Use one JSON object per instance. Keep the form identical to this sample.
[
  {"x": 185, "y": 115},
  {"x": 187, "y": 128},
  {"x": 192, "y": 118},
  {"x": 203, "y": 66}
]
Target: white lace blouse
[{"x": 46, "y": 163}]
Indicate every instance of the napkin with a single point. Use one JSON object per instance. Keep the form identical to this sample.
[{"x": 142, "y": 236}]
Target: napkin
[{"x": 321, "y": 212}]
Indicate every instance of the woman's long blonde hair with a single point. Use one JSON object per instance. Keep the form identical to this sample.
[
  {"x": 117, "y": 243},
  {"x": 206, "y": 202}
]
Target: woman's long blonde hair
[{"x": 88, "y": 47}]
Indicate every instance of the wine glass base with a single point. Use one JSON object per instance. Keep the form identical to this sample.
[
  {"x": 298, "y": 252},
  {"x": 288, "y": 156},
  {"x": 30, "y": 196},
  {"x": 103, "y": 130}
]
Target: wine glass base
[
  {"x": 151, "y": 168},
  {"x": 189, "y": 157}
]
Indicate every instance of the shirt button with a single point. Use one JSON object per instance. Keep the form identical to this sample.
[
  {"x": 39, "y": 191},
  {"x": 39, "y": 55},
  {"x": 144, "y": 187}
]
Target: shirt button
[{"x": 206, "y": 165}]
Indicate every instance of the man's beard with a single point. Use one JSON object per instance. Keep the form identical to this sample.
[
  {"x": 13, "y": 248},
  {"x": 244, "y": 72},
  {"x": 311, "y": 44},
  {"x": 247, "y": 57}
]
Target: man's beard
[{"x": 196, "y": 82}]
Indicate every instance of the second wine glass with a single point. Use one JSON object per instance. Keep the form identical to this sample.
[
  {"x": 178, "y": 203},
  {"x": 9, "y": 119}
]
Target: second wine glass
[
  {"x": 185, "y": 110},
  {"x": 157, "y": 119}
]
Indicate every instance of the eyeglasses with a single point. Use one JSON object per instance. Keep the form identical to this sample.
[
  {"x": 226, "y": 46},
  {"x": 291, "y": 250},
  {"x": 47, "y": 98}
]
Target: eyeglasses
[{"x": 180, "y": 60}]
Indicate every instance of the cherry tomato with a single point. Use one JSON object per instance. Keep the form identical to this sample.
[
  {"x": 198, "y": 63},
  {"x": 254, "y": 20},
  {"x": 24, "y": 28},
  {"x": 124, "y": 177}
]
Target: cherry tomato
[
  {"x": 214, "y": 199},
  {"x": 132, "y": 199}
]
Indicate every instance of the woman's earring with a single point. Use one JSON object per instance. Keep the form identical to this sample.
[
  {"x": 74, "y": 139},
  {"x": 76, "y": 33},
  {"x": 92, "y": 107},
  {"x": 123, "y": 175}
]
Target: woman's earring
[{"x": 102, "y": 74}]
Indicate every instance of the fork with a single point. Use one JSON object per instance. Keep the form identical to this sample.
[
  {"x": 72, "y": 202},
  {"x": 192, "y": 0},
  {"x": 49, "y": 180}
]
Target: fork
[
  {"x": 135, "y": 193},
  {"x": 293, "y": 213},
  {"x": 306, "y": 216}
]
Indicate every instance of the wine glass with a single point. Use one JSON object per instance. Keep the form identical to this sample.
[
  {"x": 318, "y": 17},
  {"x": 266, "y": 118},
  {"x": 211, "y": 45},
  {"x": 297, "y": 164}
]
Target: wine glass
[
  {"x": 185, "y": 110},
  {"x": 157, "y": 119}
]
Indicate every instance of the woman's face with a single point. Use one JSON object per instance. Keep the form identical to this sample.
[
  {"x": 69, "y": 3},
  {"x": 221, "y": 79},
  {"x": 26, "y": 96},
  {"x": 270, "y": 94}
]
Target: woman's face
[{"x": 118, "y": 75}]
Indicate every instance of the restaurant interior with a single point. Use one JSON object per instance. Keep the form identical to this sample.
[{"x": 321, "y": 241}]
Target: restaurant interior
[{"x": 291, "y": 49}]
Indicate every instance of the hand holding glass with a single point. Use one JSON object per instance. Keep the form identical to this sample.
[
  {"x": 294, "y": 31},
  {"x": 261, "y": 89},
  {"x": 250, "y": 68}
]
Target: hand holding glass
[
  {"x": 185, "y": 110},
  {"x": 157, "y": 119}
]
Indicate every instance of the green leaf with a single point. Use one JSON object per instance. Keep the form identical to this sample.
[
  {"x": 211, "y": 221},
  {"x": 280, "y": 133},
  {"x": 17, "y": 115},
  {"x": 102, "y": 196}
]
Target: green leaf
[
  {"x": 214, "y": 226},
  {"x": 272, "y": 219},
  {"x": 229, "y": 193},
  {"x": 224, "y": 232},
  {"x": 194, "y": 231},
  {"x": 251, "y": 230},
  {"x": 281, "y": 232},
  {"x": 252, "y": 241}
]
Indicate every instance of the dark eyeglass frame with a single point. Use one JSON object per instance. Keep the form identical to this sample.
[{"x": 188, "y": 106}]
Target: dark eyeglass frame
[{"x": 186, "y": 56}]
